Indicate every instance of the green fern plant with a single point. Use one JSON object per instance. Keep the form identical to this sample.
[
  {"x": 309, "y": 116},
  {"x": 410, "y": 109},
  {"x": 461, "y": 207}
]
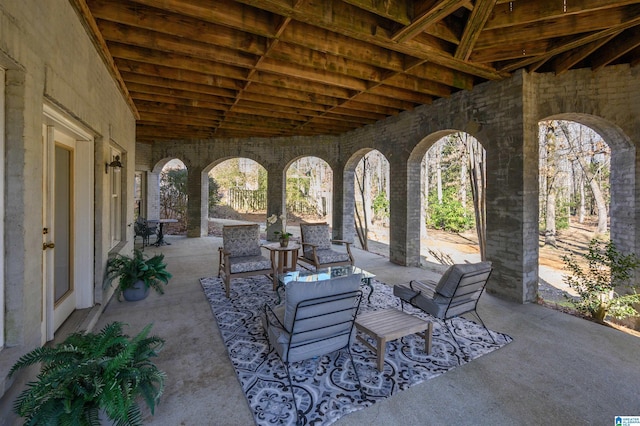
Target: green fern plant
[
  {"x": 91, "y": 372},
  {"x": 131, "y": 269}
]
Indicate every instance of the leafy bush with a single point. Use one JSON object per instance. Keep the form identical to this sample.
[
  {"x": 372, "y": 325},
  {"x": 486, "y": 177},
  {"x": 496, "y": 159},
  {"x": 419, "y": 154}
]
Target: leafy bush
[
  {"x": 451, "y": 215},
  {"x": 607, "y": 270},
  {"x": 380, "y": 205}
]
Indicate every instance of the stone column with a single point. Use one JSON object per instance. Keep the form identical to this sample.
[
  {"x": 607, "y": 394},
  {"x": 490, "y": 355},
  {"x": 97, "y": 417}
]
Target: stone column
[
  {"x": 152, "y": 202},
  {"x": 343, "y": 227},
  {"x": 197, "y": 202},
  {"x": 398, "y": 204},
  {"x": 512, "y": 198},
  {"x": 276, "y": 199}
]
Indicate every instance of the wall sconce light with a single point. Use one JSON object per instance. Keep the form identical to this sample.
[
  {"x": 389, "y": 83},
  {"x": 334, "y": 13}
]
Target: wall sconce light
[{"x": 116, "y": 164}]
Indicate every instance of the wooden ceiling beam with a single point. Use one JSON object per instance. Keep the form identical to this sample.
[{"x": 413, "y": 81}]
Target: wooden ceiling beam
[
  {"x": 568, "y": 25},
  {"x": 565, "y": 46},
  {"x": 319, "y": 102},
  {"x": 322, "y": 40},
  {"x": 281, "y": 100},
  {"x": 173, "y": 60},
  {"x": 179, "y": 25},
  {"x": 563, "y": 62},
  {"x": 165, "y": 119},
  {"x": 304, "y": 57},
  {"x": 170, "y": 44},
  {"x": 380, "y": 110},
  {"x": 624, "y": 43},
  {"x": 227, "y": 13},
  {"x": 408, "y": 82},
  {"x": 336, "y": 16},
  {"x": 370, "y": 98},
  {"x": 406, "y": 95},
  {"x": 313, "y": 75},
  {"x": 175, "y": 100},
  {"x": 294, "y": 83},
  {"x": 479, "y": 16},
  {"x": 395, "y": 10},
  {"x": 177, "y": 74},
  {"x": 178, "y": 85},
  {"x": 510, "y": 13},
  {"x": 442, "y": 75},
  {"x": 152, "y": 89},
  {"x": 437, "y": 11}
]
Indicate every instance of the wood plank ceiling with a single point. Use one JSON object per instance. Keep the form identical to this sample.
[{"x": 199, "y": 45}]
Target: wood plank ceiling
[{"x": 224, "y": 68}]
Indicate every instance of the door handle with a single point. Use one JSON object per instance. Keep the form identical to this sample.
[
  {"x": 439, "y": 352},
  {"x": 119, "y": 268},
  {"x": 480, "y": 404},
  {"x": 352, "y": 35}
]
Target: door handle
[{"x": 47, "y": 245}]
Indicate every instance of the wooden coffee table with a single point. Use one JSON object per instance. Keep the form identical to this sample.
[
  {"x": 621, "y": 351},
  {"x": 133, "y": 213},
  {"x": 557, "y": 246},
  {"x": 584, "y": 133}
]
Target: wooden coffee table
[{"x": 391, "y": 324}]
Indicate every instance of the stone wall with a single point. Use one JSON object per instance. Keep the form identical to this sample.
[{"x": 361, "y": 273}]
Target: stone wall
[
  {"x": 504, "y": 117},
  {"x": 51, "y": 60}
]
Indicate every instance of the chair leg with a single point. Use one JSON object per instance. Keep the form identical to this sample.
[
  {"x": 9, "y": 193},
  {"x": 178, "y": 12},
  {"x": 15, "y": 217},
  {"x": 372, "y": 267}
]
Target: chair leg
[
  {"x": 293, "y": 395},
  {"x": 227, "y": 285},
  {"x": 355, "y": 370},
  {"x": 453, "y": 336},
  {"x": 485, "y": 327}
]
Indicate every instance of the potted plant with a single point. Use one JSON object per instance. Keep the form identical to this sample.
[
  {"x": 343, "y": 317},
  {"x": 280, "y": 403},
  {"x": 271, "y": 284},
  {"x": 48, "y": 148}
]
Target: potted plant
[
  {"x": 137, "y": 274},
  {"x": 283, "y": 237},
  {"x": 89, "y": 375}
]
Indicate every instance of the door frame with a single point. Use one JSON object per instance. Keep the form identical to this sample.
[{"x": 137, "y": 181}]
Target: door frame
[{"x": 83, "y": 225}]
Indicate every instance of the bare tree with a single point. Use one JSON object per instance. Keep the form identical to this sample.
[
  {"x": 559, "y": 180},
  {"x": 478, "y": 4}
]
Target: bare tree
[
  {"x": 478, "y": 179},
  {"x": 362, "y": 228},
  {"x": 584, "y": 155}
]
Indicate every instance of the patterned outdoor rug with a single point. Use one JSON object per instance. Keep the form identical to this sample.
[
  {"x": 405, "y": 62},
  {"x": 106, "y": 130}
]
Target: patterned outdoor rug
[{"x": 326, "y": 388}]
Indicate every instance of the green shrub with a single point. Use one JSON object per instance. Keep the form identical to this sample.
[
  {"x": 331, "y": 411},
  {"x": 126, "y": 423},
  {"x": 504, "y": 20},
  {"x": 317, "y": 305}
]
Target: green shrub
[
  {"x": 451, "y": 215},
  {"x": 607, "y": 271}
]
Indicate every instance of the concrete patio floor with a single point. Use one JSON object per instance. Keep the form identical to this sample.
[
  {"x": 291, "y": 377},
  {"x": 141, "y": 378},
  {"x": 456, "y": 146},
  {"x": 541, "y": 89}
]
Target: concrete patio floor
[{"x": 558, "y": 370}]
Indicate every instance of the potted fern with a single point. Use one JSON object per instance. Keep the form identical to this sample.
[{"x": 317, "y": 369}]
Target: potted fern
[
  {"x": 137, "y": 274},
  {"x": 92, "y": 374}
]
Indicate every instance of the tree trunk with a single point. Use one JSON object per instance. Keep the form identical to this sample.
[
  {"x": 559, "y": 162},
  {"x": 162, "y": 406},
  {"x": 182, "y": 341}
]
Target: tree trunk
[
  {"x": 581, "y": 209},
  {"x": 550, "y": 222},
  {"x": 477, "y": 176},
  {"x": 439, "y": 171},
  {"x": 601, "y": 205},
  {"x": 361, "y": 217}
]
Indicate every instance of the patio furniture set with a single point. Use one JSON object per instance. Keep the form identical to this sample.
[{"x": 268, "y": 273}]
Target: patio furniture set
[{"x": 319, "y": 313}]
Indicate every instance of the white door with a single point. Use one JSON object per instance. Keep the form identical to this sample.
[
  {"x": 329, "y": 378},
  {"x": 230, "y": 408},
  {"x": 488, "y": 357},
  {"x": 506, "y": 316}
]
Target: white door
[
  {"x": 67, "y": 234},
  {"x": 57, "y": 245}
]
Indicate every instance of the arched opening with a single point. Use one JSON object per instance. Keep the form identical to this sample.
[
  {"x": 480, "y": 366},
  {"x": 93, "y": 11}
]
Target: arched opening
[
  {"x": 452, "y": 197},
  {"x": 371, "y": 207},
  {"x": 173, "y": 196},
  {"x": 309, "y": 181},
  {"x": 237, "y": 191},
  {"x": 586, "y": 167}
]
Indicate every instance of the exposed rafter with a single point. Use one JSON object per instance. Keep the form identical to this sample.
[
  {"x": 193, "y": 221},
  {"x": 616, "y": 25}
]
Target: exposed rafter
[{"x": 240, "y": 68}]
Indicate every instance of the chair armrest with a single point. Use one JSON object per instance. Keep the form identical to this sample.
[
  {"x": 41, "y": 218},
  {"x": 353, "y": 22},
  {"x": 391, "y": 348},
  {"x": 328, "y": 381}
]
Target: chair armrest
[
  {"x": 341, "y": 241},
  {"x": 426, "y": 288},
  {"x": 309, "y": 244},
  {"x": 269, "y": 314}
]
